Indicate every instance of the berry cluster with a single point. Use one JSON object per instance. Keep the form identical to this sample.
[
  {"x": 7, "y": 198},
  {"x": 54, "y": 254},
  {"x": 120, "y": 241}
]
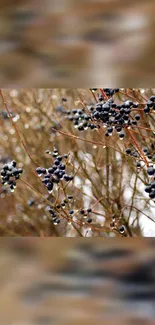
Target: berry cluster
[
  {"x": 148, "y": 153},
  {"x": 54, "y": 214},
  {"x": 105, "y": 113},
  {"x": 81, "y": 120},
  {"x": 110, "y": 92},
  {"x": 150, "y": 105},
  {"x": 86, "y": 214},
  {"x": 134, "y": 153},
  {"x": 68, "y": 203},
  {"x": 10, "y": 174},
  {"x": 150, "y": 188},
  {"x": 68, "y": 200},
  {"x": 56, "y": 173},
  {"x": 114, "y": 225}
]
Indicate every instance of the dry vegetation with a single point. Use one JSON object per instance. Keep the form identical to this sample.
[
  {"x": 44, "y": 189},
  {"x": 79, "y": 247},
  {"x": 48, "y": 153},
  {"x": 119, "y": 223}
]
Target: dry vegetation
[{"x": 106, "y": 178}]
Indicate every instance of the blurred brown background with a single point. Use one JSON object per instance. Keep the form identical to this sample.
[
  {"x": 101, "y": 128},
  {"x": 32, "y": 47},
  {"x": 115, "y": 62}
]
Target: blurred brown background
[
  {"x": 76, "y": 281},
  {"x": 77, "y": 43}
]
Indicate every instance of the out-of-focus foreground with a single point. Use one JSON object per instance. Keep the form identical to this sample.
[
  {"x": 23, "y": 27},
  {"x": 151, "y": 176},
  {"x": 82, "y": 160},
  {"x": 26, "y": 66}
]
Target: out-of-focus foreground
[
  {"x": 77, "y": 42},
  {"x": 77, "y": 280},
  {"x": 103, "y": 187}
]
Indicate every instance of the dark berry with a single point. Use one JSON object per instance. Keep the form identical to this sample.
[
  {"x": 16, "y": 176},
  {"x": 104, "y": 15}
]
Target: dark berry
[
  {"x": 63, "y": 205},
  {"x": 5, "y": 167},
  {"x": 153, "y": 185},
  {"x": 20, "y": 170},
  {"x": 128, "y": 151},
  {"x": 81, "y": 128},
  {"x": 51, "y": 170},
  {"x": 121, "y": 229},
  {"x": 57, "y": 221},
  {"x": 148, "y": 189},
  {"x": 66, "y": 178},
  {"x": 152, "y": 98},
  {"x": 135, "y": 105},
  {"x": 146, "y": 109},
  {"x": 50, "y": 186},
  {"x": 3, "y": 173},
  {"x": 151, "y": 171},
  {"x": 152, "y": 195},
  {"x": 149, "y": 103},
  {"x": 137, "y": 117},
  {"x": 57, "y": 162},
  {"x": 138, "y": 165},
  {"x": 121, "y": 135},
  {"x": 14, "y": 164},
  {"x": 39, "y": 171},
  {"x": 70, "y": 197}
]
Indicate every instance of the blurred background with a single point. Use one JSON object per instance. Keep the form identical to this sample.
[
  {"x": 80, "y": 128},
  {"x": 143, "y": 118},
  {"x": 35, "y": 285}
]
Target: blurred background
[
  {"x": 106, "y": 180},
  {"x": 77, "y": 43},
  {"x": 66, "y": 281}
]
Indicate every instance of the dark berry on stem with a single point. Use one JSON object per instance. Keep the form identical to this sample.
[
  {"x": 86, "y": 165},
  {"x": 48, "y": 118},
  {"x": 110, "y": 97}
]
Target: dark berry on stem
[
  {"x": 128, "y": 151},
  {"x": 121, "y": 229}
]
